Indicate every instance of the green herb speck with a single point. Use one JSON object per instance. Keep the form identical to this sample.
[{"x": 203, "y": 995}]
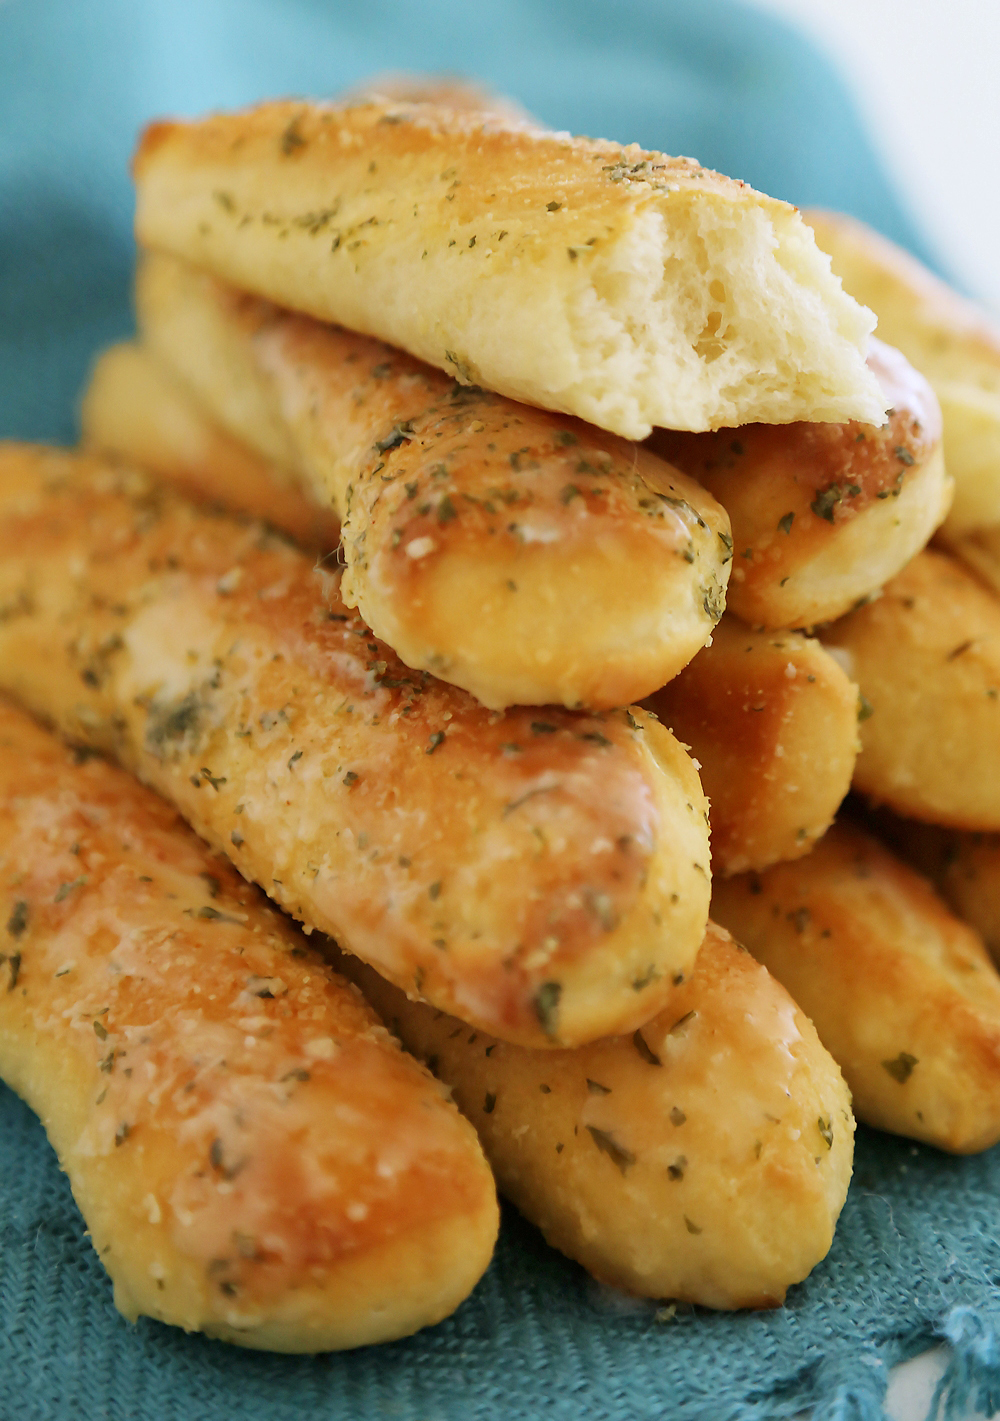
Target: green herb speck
[
  {"x": 65, "y": 889},
  {"x": 18, "y": 920},
  {"x": 546, "y": 1004},
  {"x": 901, "y": 1068},
  {"x": 826, "y": 501},
  {"x": 608, "y": 1145},
  {"x": 645, "y": 1050}
]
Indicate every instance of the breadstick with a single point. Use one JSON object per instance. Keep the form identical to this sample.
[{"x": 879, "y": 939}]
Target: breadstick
[
  {"x": 253, "y": 1155},
  {"x": 964, "y": 868},
  {"x": 540, "y": 873},
  {"x": 134, "y": 409},
  {"x": 926, "y": 655},
  {"x": 526, "y": 557},
  {"x": 705, "y": 1158},
  {"x": 621, "y": 286},
  {"x": 979, "y": 550},
  {"x": 824, "y": 514},
  {"x": 773, "y": 722},
  {"x": 949, "y": 339},
  {"x": 904, "y": 995}
]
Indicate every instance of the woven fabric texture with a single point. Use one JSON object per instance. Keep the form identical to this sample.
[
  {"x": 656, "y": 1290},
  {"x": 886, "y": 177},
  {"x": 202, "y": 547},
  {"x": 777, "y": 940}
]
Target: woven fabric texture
[{"x": 917, "y": 1254}]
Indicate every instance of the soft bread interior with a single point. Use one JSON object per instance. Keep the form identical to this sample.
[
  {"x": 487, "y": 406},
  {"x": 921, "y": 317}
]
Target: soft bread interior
[{"x": 625, "y": 287}]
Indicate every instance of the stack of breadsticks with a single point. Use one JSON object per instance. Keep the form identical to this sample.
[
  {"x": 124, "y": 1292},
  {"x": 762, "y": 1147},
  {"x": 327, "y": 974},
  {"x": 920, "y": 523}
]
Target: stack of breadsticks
[{"x": 396, "y": 619}]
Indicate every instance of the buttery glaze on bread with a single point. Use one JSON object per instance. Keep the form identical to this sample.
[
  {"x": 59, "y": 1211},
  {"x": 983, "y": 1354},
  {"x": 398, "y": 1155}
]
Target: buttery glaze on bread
[
  {"x": 253, "y": 1155},
  {"x": 903, "y": 994},
  {"x": 772, "y": 721},
  {"x": 135, "y": 410},
  {"x": 823, "y": 514},
  {"x": 926, "y": 655},
  {"x": 704, "y": 1158},
  {"x": 618, "y": 285},
  {"x": 948, "y": 338},
  {"x": 540, "y": 873},
  {"x": 523, "y": 556}
]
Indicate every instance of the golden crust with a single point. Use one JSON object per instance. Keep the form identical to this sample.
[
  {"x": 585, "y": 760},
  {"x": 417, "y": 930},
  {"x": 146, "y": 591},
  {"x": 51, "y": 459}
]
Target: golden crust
[
  {"x": 947, "y": 337},
  {"x": 253, "y": 1155},
  {"x": 964, "y": 868},
  {"x": 772, "y": 721},
  {"x": 134, "y": 410},
  {"x": 618, "y": 285},
  {"x": 926, "y": 655},
  {"x": 544, "y": 875},
  {"x": 706, "y": 1158},
  {"x": 944, "y": 334},
  {"x": 979, "y": 550},
  {"x": 824, "y": 514},
  {"x": 903, "y": 994},
  {"x": 523, "y": 556}
]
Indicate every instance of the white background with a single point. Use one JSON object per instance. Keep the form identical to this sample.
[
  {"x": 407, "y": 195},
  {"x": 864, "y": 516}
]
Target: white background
[{"x": 926, "y": 76}]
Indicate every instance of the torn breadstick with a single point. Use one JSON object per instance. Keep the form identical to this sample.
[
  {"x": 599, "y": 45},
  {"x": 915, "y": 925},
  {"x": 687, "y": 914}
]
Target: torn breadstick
[
  {"x": 964, "y": 868},
  {"x": 525, "y": 557},
  {"x": 133, "y": 409},
  {"x": 948, "y": 338},
  {"x": 705, "y": 1158},
  {"x": 926, "y": 655},
  {"x": 824, "y": 514},
  {"x": 773, "y": 722},
  {"x": 904, "y": 995},
  {"x": 618, "y": 285},
  {"x": 253, "y": 1155},
  {"x": 542, "y": 874}
]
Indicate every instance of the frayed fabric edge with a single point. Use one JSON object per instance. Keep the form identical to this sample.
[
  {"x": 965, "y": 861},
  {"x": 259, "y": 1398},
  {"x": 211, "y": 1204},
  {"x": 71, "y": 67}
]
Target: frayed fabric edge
[
  {"x": 971, "y": 1379},
  {"x": 853, "y": 1388}
]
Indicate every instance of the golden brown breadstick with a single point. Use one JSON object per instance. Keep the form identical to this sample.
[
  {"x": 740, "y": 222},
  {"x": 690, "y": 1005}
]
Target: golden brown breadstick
[
  {"x": 949, "y": 339},
  {"x": 903, "y": 994},
  {"x": 926, "y": 655},
  {"x": 253, "y": 1155},
  {"x": 621, "y": 286},
  {"x": 704, "y": 1158},
  {"x": 543, "y": 874},
  {"x": 823, "y": 514},
  {"x": 772, "y": 721},
  {"x": 524, "y": 556},
  {"x": 134, "y": 409},
  {"x": 964, "y": 868},
  {"x": 979, "y": 550}
]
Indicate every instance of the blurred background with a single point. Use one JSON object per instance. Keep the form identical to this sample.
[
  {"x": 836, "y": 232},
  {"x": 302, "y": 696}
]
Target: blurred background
[
  {"x": 888, "y": 109},
  {"x": 923, "y": 76}
]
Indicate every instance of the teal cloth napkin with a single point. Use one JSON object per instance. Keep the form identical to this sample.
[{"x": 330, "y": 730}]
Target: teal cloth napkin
[{"x": 917, "y": 1254}]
